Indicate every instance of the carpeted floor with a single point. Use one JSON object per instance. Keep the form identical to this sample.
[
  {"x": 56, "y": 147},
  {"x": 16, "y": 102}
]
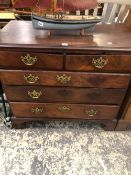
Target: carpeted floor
[{"x": 64, "y": 148}]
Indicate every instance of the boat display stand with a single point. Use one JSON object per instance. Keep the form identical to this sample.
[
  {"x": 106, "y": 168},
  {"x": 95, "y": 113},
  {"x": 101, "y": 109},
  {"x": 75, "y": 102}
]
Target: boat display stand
[{"x": 81, "y": 32}]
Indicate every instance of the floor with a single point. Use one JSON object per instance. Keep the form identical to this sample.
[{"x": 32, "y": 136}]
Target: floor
[{"x": 64, "y": 148}]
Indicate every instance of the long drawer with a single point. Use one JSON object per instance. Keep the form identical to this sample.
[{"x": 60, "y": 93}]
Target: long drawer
[
  {"x": 64, "y": 94},
  {"x": 23, "y": 60},
  {"x": 55, "y": 78},
  {"x": 64, "y": 110},
  {"x": 111, "y": 63}
]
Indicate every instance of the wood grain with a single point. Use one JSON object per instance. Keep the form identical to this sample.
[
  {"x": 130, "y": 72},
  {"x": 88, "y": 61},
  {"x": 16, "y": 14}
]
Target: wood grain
[
  {"x": 69, "y": 95},
  {"x": 116, "y": 63},
  {"x": 76, "y": 79},
  {"x": 128, "y": 113},
  {"x": 104, "y": 88},
  {"x": 52, "y": 110},
  {"x": 26, "y": 38},
  {"x": 13, "y": 60}
]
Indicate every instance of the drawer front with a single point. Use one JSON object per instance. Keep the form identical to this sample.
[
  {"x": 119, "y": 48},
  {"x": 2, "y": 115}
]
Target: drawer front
[
  {"x": 111, "y": 63},
  {"x": 64, "y": 110},
  {"x": 78, "y": 79},
  {"x": 57, "y": 94},
  {"x": 22, "y": 60}
]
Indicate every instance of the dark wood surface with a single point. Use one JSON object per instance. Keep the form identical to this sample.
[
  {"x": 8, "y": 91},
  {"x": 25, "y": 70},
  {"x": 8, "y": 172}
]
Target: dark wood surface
[
  {"x": 128, "y": 114},
  {"x": 123, "y": 125},
  {"x": 116, "y": 63},
  {"x": 2, "y": 24},
  {"x": 77, "y": 79},
  {"x": 105, "y": 88},
  {"x": 104, "y": 37},
  {"x": 73, "y": 110},
  {"x": 65, "y": 94},
  {"x": 13, "y": 60}
]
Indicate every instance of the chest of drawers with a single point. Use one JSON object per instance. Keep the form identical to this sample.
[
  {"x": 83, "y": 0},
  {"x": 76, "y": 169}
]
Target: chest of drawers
[{"x": 89, "y": 79}]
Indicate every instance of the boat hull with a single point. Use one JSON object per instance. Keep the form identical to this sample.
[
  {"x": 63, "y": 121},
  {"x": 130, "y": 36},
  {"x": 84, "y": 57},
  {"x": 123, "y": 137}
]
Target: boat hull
[{"x": 50, "y": 24}]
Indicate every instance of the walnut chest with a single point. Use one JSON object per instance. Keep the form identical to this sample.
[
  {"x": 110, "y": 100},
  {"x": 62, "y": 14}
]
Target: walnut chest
[{"x": 65, "y": 76}]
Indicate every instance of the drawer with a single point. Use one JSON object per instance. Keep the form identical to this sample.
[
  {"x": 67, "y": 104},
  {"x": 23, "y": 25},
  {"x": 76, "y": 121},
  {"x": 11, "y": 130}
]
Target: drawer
[
  {"x": 111, "y": 63},
  {"x": 73, "y": 79},
  {"x": 23, "y": 60},
  {"x": 57, "y": 110},
  {"x": 61, "y": 94}
]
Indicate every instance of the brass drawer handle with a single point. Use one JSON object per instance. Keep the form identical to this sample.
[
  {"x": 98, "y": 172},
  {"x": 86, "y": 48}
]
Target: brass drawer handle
[
  {"x": 100, "y": 62},
  {"x": 64, "y": 108},
  {"x": 34, "y": 94},
  {"x": 37, "y": 110},
  {"x": 28, "y": 60},
  {"x": 31, "y": 78},
  {"x": 63, "y": 79},
  {"x": 91, "y": 112}
]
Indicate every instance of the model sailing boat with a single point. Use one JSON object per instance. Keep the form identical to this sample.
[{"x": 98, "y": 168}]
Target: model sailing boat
[{"x": 52, "y": 14}]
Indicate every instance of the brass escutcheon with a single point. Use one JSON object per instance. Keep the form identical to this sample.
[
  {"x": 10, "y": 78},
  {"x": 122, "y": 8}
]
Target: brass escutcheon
[
  {"x": 63, "y": 79},
  {"x": 100, "y": 62},
  {"x": 31, "y": 78},
  {"x": 34, "y": 94},
  {"x": 37, "y": 110},
  {"x": 64, "y": 108},
  {"x": 28, "y": 60},
  {"x": 91, "y": 112}
]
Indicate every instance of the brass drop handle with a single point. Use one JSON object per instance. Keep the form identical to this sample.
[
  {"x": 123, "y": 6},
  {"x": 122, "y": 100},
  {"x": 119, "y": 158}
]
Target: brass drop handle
[
  {"x": 35, "y": 94},
  {"x": 91, "y": 112},
  {"x": 28, "y": 60},
  {"x": 31, "y": 79},
  {"x": 63, "y": 79},
  {"x": 37, "y": 110},
  {"x": 64, "y": 108},
  {"x": 100, "y": 62}
]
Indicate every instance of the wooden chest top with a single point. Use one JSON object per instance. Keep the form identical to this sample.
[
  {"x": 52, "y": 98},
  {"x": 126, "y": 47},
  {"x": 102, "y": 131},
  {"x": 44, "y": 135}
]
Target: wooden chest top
[{"x": 105, "y": 37}]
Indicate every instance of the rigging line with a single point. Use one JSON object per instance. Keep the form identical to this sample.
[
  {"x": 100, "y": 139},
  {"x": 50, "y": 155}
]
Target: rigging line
[{"x": 37, "y": 4}]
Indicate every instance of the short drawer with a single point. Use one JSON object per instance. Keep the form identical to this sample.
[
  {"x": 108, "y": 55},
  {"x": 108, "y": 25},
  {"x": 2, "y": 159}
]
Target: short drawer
[
  {"x": 60, "y": 110},
  {"x": 72, "y": 79},
  {"x": 22, "y": 60},
  {"x": 61, "y": 94},
  {"x": 111, "y": 63}
]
